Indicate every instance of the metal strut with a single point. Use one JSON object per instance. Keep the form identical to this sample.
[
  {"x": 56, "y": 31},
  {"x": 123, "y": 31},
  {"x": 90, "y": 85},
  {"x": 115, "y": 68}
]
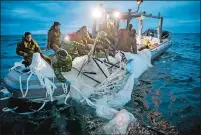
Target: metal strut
[
  {"x": 99, "y": 67},
  {"x": 85, "y": 74}
]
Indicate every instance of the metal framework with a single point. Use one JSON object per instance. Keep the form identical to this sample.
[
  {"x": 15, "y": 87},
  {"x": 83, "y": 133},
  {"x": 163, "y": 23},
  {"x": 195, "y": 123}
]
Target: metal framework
[{"x": 129, "y": 16}]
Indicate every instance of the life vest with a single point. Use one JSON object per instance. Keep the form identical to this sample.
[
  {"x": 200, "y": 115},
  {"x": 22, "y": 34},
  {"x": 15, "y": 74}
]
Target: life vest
[{"x": 147, "y": 43}]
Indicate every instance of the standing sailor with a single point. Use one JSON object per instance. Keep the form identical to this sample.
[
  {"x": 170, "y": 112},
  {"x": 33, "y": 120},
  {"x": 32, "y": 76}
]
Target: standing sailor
[
  {"x": 132, "y": 41},
  {"x": 27, "y": 47},
  {"x": 127, "y": 41},
  {"x": 54, "y": 33}
]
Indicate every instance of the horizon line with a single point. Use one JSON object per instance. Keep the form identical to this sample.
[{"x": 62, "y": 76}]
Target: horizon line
[{"x": 46, "y": 34}]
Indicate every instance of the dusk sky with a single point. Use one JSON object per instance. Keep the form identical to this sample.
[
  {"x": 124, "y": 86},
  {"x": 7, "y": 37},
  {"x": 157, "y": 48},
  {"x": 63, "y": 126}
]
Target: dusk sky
[{"x": 37, "y": 17}]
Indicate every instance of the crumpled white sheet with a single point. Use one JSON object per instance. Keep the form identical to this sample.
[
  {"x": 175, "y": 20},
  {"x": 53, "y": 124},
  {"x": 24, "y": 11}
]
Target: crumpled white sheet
[
  {"x": 106, "y": 107},
  {"x": 142, "y": 61},
  {"x": 120, "y": 123},
  {"x": 40, "y": 65},
  {"x": 116, "y": 100},
  {"x": 105, "y": 112}
]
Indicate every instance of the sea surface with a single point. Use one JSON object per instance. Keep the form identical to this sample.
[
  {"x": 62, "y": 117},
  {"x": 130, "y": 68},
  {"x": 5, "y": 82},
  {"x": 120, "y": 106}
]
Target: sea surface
[{"x": 170, "y": 90}]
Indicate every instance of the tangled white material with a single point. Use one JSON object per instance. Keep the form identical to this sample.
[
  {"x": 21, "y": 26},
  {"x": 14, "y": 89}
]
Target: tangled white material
[{"x": 113, "y": 92}]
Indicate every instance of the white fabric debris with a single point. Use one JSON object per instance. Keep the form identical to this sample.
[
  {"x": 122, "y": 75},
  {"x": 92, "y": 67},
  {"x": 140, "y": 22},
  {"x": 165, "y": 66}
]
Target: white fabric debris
[
  {"x": 40, "y": 65},
  {"x": 106, "y": 100},
  {"x": 119, "y": 124},
  {"x": 105, "y": 112}
]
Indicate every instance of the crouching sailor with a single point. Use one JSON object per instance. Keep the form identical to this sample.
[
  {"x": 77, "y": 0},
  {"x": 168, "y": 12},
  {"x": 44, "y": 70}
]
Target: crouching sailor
[
  {"x": 27, "y": 47},
  {"x": 74, "y": 48},
  {"x": 61, "y": 62}
]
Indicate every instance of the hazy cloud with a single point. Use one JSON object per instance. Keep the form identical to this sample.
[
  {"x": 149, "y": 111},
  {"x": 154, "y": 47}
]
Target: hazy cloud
[{"x": 38, "y": 16}]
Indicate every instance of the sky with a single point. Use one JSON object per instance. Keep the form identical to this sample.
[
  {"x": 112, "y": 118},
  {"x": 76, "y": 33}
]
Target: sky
[{"x": 38, "y": 16}]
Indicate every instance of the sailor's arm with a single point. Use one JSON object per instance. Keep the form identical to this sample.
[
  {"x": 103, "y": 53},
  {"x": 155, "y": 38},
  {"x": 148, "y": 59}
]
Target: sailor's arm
[
  {"x": 49, "y": 39},
  {"x": 69, "y": 64},
  {"x": 19, "y": 50},
  {"x": 37, "y": 47},
  {"x": 57, "y": 71},
  {"x": 134, "y": 46}
]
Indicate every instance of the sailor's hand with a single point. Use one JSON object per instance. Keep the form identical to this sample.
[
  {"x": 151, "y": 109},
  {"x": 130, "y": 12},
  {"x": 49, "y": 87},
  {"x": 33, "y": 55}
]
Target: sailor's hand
[
  {"x": 134, "y": 52},
  {"x": 25, "y": 54},
  {"x": 68, "y": 83}
]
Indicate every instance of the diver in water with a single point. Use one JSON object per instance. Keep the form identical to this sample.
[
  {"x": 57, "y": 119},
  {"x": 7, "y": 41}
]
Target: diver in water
[
  {"x": 54, "y": 33},
  {"x": 61, "y": 62},
  {"x": 27, "y": 47}
]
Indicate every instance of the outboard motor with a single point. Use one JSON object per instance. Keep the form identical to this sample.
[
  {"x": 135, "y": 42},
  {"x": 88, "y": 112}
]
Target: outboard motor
[
  {"x": 165, "y": 34},
  {"x": 149, "y": 32}
]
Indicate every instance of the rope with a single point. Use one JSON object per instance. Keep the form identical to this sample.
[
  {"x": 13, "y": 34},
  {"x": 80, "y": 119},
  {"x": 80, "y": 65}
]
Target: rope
[
  {"x": 87, "y": 100},
  {"x": 6, "y": 95},
  {"x": 5, "y": 98},
  {"x": 27, "y": 83},
  {"x": 65, "y": 88},
  {"x": 68, "y": 95},
  {"x": 43, "y": 81}
]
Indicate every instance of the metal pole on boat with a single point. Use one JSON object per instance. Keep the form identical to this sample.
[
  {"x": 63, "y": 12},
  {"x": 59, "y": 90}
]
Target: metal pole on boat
[
  {"x": 118, "y": 23},
  {"x": 128, "y": 19},
  {"x": 94, "y": 29},
  {"x": 139, "y": 29},
  {"x": 160, "y": 28}
]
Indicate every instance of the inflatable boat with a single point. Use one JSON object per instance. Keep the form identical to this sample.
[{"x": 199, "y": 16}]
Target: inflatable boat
[
  {"x": 89, "y": 74},
  {"x": 22, "y": 83}
]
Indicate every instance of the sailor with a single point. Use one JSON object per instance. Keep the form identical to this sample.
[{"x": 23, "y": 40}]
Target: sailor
[
  {"x": 127, "y": 41},
  {"x": 27, "y": 47},
  {"x": 82, "y": 36},
  {"x": 61, "y": 62},
  {"x": 132, "y": 41},
  {"x": 104, "y": 47},
  {"x": 74, "y": 48},
  {"x": 54, "y": 33},
  {"x": 122, "y": 39},
  {"x": 111, "y": 34},
  {"x": 130, "y": 27}
]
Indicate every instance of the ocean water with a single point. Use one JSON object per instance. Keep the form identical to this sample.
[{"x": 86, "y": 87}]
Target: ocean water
[{"x": 171, "y": 88}]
